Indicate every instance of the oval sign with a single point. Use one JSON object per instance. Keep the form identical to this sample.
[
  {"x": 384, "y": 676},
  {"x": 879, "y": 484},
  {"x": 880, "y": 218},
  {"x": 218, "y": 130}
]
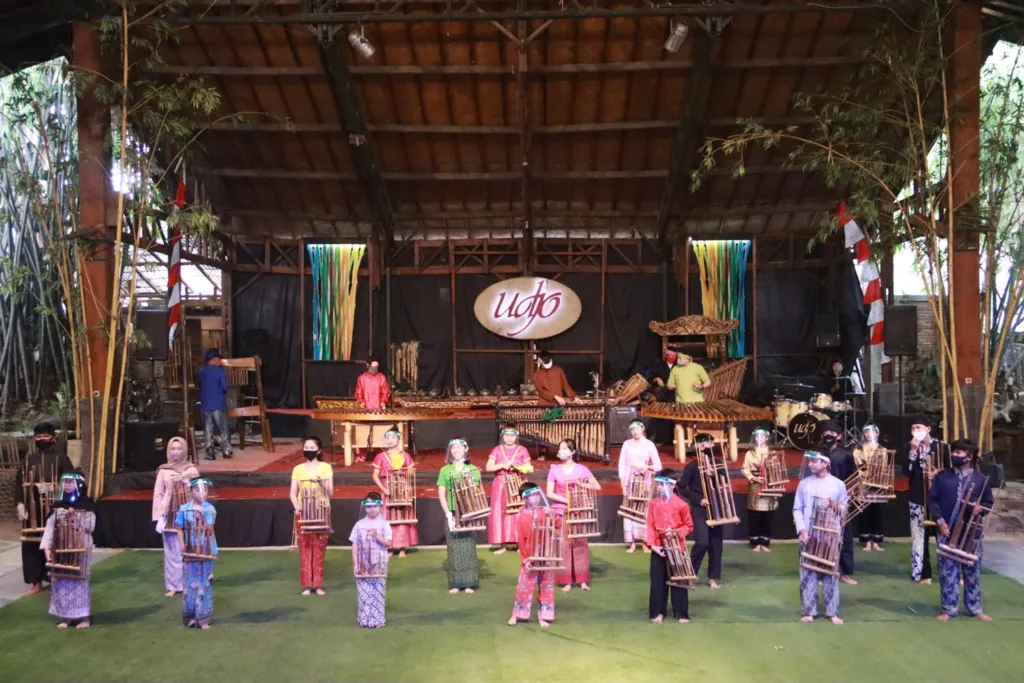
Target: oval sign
[{"x": 527, "y": 308}]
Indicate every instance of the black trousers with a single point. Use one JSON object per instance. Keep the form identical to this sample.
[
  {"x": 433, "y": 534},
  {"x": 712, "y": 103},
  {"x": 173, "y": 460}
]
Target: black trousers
[
  {"x": 660, "y": 592},
  {"x": 870, "y": 525},
  {"x": 33, "y": 562},
  {"x": 759, "y": 526},
  {"x": 846, "y": 554},
  {"x": 706, "y": 541}
]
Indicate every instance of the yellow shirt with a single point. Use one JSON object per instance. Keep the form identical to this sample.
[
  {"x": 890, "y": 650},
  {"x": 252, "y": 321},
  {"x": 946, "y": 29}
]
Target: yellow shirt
[
  {"x": 302, "y": 474},
  {"x": 683, "y": 378},
  {"x": 863, "y": 455}
]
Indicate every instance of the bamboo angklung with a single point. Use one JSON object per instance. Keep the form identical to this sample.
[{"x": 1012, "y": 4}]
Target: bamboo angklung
[
  {"x": 680, "y": 567},
  {"x": 547, "y": 542},
  {"x": 401, "y": 501},
  {"x": 773, "y": 469},
  {"x": 513, "y": 501},
  {"x": 69, "y": 547},
  {"x": 581, "y": 511},
  {"x": 314, "y": 507},
  {"x": 717, "y": 486},
  {"x": 197, "y": 538},
  {"x": 825, "y": 538},
  {"x": 638, "y": 498},
  {"x": 880, "y": 476},
  {"x": 180, "y": 494},
  {"x": 371, "y": 561},
  {"x": 967, "y": 528},
  {"x": 931, "y": 464},
  {"x": 40, "y": 491},
  {"x": 471, "y": 508}
]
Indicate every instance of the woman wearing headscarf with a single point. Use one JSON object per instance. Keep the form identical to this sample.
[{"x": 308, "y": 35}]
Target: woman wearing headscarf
[
  {"x": 70, "y": 599},
  {"x": 462, "y": 566},
  {"x": 170, "y": 492}
]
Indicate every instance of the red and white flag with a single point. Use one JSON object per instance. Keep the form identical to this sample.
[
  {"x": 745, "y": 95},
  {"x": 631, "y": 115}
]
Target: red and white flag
[
  {"x": 174, "y": 266},
  {"x": 871, "y": 283}
]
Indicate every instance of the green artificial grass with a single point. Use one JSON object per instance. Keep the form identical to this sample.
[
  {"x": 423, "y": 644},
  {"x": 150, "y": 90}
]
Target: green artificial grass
[{"x": 747, "y": 631}]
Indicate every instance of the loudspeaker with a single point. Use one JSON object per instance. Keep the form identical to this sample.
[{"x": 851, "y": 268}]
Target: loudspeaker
[
  {"x": 154, "y": 324},
  {"x": 826, "y": 330},
  {"x": 901, "y": 331},
  {"x": 145, "y": 444},
  {"x": 619, "y": 418},
  {"x": 253, "y": 342},
  {"x": 887, "y": 399}
]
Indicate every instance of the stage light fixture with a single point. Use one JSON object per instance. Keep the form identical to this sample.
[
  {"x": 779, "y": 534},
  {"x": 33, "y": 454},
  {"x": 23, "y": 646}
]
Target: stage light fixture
[
  {"x": 676, "y": 37},
  {"x": 360, "y": 43}
]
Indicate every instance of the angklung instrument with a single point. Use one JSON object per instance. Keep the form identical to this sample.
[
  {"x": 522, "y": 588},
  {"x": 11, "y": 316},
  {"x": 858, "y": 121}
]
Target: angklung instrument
[
  {"x": 401, "y": 499},
  {"x": 371, "y": 559},
  {"x": 314, "y": 507},
  {"x": 39, "y": 492},
  {"x": 513, "y": 479},
  {"x": 548, "y": 426},
  {"x": 680, "y": 567},
  {"x": 872, "y": 484},
  {"x": 581, "y": 511},
  {"x": 69, "y": 546},
  {"x": 825, "y": 538},
  {"x": 717, "y": 488},
  {"x": 773, "y": 470},
  {"x": 638, "y": 497},
  {"x": 931, "y": 464},
  {"x": 547, "y": 542},
  {"x": 471, "y": 507},
  {"x": 180, "y": 494},
  {"x": 967, "y": 527},
  {"x": 197, "y": 538}
]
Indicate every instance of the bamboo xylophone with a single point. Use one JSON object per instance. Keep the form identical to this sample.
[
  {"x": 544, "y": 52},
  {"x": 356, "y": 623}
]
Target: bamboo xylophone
[
  {"x": 197, "y": 537},
  {"x": 401, "y": 501},
  {"x": 314, "y": 507},
  {"x": 581, "y": 511},
  {"x": 69, "y": 547},
  {"x": 717, "y": 486},
  {"x": 638, "y": 497},
  {"x": 513, "y": 501},
  {"x": 180, "y": 494},
  {"x": 471, "y": 508},
  {"x": 40, "y": 490},
  {"x": 723, "y": 411},
  {"x": 680, "y": 566},
  {"x": 825, "y": 538},
  {"x": 584, "y": 424},
  {"x": 548, "y": 544},
  {"x": 773, "y": 469},
  {"x": 968, "y": 528},
  {"x": 371, "y": 560}
]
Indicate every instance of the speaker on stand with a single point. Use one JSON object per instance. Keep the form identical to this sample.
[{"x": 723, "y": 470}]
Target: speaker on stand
[{"x": 900, "y": 339}]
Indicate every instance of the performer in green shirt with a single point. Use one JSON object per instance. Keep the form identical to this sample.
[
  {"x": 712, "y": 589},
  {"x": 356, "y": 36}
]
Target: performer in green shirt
[
  {"x": 689, "y": 380},
  {"x": 462, "y": 566}
]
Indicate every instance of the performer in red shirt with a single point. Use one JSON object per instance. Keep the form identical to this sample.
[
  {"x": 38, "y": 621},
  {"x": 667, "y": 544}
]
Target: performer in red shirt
[
  {"x": 667, "y": 511},
  {"x": 372, "y": 390},
  {"x": 550, "y": 382}
]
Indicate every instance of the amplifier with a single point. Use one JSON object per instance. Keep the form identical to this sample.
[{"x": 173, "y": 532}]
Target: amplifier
[{"x": 619, "y": 418}]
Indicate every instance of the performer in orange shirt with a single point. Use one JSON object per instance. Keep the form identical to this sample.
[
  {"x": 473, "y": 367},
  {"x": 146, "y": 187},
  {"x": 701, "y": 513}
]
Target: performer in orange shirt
[{"x": 668, "y": 510}]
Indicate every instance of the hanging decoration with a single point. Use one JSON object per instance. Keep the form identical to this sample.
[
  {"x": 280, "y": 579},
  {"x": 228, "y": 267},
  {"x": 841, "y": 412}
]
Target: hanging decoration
[
  {"x": 723, "y": 280},
  {"x": 335, "y": 278},
  {"x": 871, "y": 282}
]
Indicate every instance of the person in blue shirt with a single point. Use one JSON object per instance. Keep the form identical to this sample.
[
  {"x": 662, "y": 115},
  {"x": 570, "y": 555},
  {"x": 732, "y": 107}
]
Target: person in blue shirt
[
  {"x": 946, "y": 489},
  {"x": 213, "y": 401}
]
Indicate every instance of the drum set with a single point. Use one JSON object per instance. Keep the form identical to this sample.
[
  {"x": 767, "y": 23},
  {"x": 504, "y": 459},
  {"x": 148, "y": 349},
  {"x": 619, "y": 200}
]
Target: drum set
[{"x": 795, "y": 420}]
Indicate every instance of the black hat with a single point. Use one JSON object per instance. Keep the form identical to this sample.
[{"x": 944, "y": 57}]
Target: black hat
[
  {"x": 829, "y": 426},
  {"x": 921, "y": 420},
  {"x": 45, "y": 429},
  {"x": 965, "y": 445}
]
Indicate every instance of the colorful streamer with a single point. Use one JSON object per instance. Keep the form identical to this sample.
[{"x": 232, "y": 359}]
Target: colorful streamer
[
  {"x": 723, "y": 283},
  {"x": 335, "y": 278}
]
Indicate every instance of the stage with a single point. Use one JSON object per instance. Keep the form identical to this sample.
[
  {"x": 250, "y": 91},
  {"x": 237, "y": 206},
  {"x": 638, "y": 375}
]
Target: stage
[{"x": 253, "y": 509}]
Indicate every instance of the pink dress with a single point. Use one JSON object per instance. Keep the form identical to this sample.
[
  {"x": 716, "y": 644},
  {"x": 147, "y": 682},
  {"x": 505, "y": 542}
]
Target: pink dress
[
  {"x": 402, "y": 535},
  {"x": 501, "y": 527},
  {"x": 577, "y": 550},
  {"x": 634, "y": 457}
]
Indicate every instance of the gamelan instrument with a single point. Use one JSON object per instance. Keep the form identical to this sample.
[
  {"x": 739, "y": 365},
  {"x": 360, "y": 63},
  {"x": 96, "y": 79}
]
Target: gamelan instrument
[
  {"x": 680, "y": 567},
  {"x": 180, "y": 494},
  {"x": 717, "y": 487},
  {"x": 547, "y": 542},
  {"x": 197, "y": 538},
  {"x": 931, "y": 464},
  {"x": 825, "y": 538},
  {"x": 513, "y": 479},
  {"x": 622, "y": 393},
  {"x": 371, "y": 558},
  {"x": 773, "y": 470},
  {"x": 638, "y": 497},
  {"x": 721, "y": 411},
  {"x": 69, "y": 546},
  {"x": 873, "y": 483},
  {"x": 314, "y": 507},
  {"x": 547, "y": 426},
  {"x": 581, "y": 511},
  {"x": 401, "y": 499},
  {"x": 471, "y": 507},
  {"x": 40, "y": 491},
  {"x": 967, "y": 527}
]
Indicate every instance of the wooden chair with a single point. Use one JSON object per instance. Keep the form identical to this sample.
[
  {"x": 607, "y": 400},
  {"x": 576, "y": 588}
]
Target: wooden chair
[{"x": 238, "y": 370}]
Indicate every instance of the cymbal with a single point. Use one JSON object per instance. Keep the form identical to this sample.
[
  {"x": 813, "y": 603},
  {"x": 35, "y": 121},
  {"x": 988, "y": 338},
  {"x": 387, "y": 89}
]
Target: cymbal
[{"x": 798, "y": 385}]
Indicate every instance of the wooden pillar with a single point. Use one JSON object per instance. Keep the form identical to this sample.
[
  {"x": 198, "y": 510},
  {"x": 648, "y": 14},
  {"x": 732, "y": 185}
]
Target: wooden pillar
[
  {"x": 889, "y": 295},
  {"x": 96, "y": 268},
  {"x": 965, "y": 72}
]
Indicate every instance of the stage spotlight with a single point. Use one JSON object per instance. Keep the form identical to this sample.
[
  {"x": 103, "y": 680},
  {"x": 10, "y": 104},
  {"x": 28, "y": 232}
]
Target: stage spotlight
[
  {"x": 361, "y": 45},
  {"x": 676, "y": 37}
]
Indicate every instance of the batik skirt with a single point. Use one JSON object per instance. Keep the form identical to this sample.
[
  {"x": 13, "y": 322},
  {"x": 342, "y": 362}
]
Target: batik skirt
[
  {"x": 173, "y": 572},
  {"x": 371, "y": 595},
  {"x": 462, "y": 566},
  {"x": 70, "y": 599},
  {"x": 197, "y": 598},
  {"x": 576, "y": 558},
  {"x": 311, "y": 559}
]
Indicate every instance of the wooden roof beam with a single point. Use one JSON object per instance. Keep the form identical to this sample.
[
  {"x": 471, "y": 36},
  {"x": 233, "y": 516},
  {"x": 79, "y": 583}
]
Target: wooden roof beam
[
  {"x": 684, "y": 147},
  {"x": 618, "y": 174},
  {"x": 364, "y": 152}
]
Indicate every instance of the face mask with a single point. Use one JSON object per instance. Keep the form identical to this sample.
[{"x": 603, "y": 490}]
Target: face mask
[
  {"x": 547, "y": 366},
  {"x": 919, "y": 434},
  {"x": 373, "y": 370},
  {"x": 959, "y": 460},
  {"x": 43, "y": 444},
  {"x": 564, "y": 455},
  {"x": 828, "y": 440},
  {"x": 310, "y": 455}
]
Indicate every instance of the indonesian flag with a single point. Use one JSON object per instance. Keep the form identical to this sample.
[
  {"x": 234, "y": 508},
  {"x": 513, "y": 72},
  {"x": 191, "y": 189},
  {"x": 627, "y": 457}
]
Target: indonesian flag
[
  {"x": 174, "y": 267},
  {"x": 871, "y": 283}
]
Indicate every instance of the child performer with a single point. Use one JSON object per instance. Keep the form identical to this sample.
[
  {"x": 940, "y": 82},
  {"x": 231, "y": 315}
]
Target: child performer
[
  {"x": 504, "y": 458},
  {"x": 69, "y": 597},
  {"x": 307, "y": 478},
  {"x": 395, "y": 458},
  {"x": 197, "y": 598},
  {"x": 638, "y": 458},
  {"x": 667, "y": 511},
  {"x": 462, "y": 566},
  {"x": 371, "y": 537},
  {"x": 172, "y": 480},
  {"x": 759, "y": 508},
  {"x": 871, "y": 519},
  {"x": 577, "y": 550},
  {"x": 534, "y": 504}
]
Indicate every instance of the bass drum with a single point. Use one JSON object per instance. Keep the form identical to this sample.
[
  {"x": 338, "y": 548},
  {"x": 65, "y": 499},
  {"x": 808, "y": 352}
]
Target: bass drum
[{"x": 803, "y": 429}]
